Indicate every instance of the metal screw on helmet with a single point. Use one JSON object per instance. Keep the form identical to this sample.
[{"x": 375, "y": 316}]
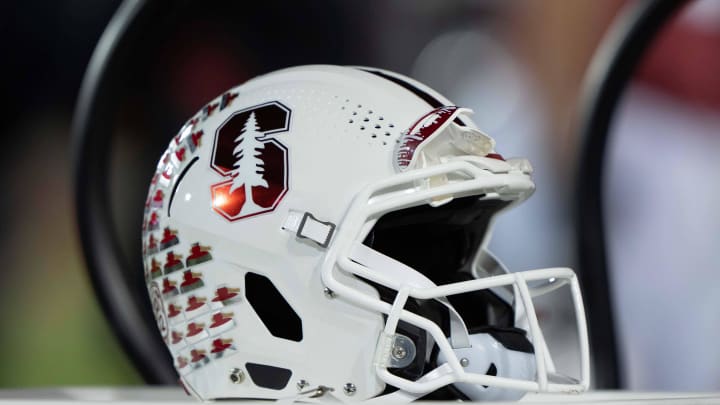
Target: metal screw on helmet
[
  {"x": 302, "y": 384},
  {"x": 237, "y": 376},
  {"x": 349, "y": 389},
  {"x": 402, "y": 352},
  {"x": 464, "y": 362},
  {"x": 399, "y": 352},
  {"x": 328, "y": 292}
]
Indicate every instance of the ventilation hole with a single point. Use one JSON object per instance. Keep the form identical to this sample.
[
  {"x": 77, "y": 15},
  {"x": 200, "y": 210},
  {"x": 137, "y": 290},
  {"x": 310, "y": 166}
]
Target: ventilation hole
[
  {"x": 492, "y": 370},
  {"x": 362, "y": 127},
  {"x": 384, "y": 143},
  {"x": 342, "y": 108},
  {"x": 177, "y": 183},
  {"x": 274, "y": 378},
  {"x": 350, "y": 121},
  {"x": 366, "y": 119},
  {"x": 374, "y": 136},
  {"x": 391, "y": 125},
  {"x": 381, "y": 118},
  {"x": 359, "y": 105},
  {"x": 354, "y": 112},
  {"x": 377, "y": 126},
  {"x": 272, "y": 309},
  {"x": 369, "y": 111},
  {"x": 387, "y": 133}
]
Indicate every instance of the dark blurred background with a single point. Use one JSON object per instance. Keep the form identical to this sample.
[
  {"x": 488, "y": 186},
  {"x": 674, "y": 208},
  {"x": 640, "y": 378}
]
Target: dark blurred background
[{"x": 519, "y": 64}]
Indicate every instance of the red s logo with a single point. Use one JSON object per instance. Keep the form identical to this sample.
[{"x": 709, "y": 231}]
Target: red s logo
[{"x": 254, "y": 163}]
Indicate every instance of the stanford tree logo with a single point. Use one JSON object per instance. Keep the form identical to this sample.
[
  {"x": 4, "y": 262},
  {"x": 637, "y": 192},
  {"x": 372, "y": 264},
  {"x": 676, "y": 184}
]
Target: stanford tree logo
[{"x": 253, "y": 161}]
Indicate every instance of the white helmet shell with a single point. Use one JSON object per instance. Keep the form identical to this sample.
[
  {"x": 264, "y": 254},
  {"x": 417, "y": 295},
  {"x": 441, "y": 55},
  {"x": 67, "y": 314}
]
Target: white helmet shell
[{"x": 256, "y": 251}]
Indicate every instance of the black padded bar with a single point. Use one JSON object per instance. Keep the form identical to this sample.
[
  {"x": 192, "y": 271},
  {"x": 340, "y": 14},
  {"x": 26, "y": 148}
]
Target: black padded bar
[
  {"x": 610, "y": 72},
  {"x": 119, "y": 297}
]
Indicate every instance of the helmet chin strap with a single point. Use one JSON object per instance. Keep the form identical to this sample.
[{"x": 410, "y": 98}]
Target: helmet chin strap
[{"x": 396, "y": 270}]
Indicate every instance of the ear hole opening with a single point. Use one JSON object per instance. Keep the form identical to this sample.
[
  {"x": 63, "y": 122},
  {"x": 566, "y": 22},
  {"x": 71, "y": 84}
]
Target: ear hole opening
[
  {"x": 492, "y": 371},
  {"x": 274, "y": 312},
  {"x": 271, "y": 377}
]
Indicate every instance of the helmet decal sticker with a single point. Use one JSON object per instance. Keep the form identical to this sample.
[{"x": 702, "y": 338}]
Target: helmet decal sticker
[
  {"x": 191, "y": 281},
  {"x": 208, "y": 110},
  {"x": 174, "y": 310},
  {"x": 152, "y": 246},
  {"x": 182, "y": 362},
  {"x": 419, "y": 132},
  {"x": 179, "y": 155},
  {"x": 198, "y": 254},
  {"x": 155, "y": 270},
  {"x": 169, "y": 289},
  {"x": 253, "y": 161},
  {"x": 169, "y": 238},
  {"x": 195, "y": 302},
  {"x": 182, "y": 309},
  {"x": 195, "y": 141},
  {"x": 153, "y": 221},
  {"x": 173, "y": 262},
  {"x": 220, "y": 318},
  {"x": 226, "y": 295},
  {"x": 157, "y": 200},
  {"x": 198, "y": 358},
  {"x": 194, "y": 329},
  {"x": 227, "y": 99},
  {"x": 222, "y": 347}
]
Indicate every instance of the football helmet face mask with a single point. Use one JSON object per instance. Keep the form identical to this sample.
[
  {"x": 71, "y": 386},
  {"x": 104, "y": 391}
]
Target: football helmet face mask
[{"x": 320, "y": 231}]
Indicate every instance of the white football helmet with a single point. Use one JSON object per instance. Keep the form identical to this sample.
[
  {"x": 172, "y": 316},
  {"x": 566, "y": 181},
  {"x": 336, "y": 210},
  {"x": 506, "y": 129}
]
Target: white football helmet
[{"x": 319, "y": 232}]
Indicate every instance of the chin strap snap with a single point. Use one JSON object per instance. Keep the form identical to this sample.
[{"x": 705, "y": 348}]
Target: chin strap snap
[
  {"x": 317, "y": 395},
  {"x": 306, "y": 226}
]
